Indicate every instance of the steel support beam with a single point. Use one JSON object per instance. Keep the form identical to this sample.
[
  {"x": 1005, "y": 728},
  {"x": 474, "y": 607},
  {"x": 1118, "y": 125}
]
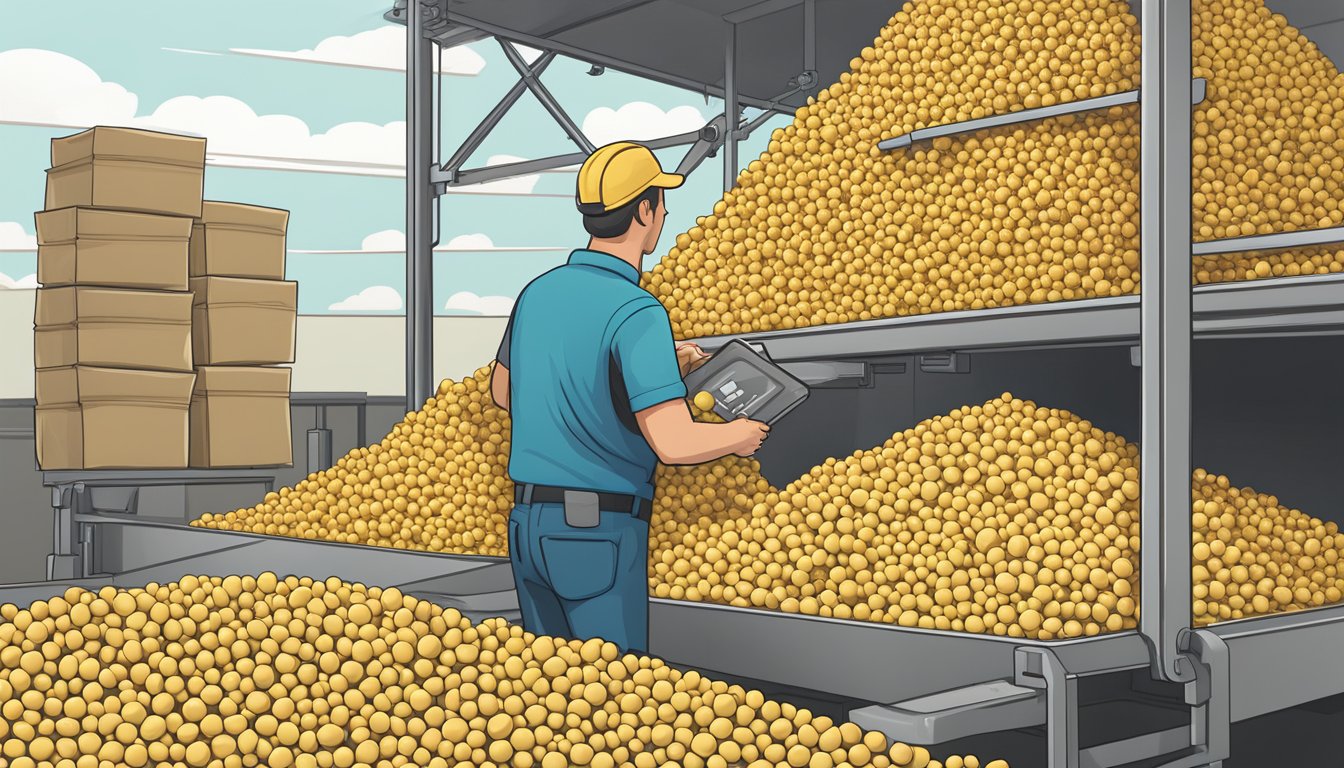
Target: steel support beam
[
  {"x": 1165, "y": 331},
  {"x": 419, "y": 214},
  {"x": 474, "y": 139},
  {"x": 526, "y": 167},
  {"x": 548, "y": 101},
  {"x": 730, "y": 109}
]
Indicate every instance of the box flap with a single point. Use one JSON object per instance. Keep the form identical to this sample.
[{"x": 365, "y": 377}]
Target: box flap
[
  {"x": 56, "y": 386},
  {"x": 117, "y": 384},
  {"x": 241, "y": 380},
  {"x": 67, "y": 224},
  {"x": 240, "y": 291},
  {"x": 216, "y": 213},
  {"x": 72, "y": 304},
  {"x": 131, "y": 143},
  {"x": 54, "y": 306}
]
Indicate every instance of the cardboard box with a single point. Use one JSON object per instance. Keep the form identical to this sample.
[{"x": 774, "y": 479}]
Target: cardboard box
[
  {"x": 240, "y": 417},
  {"x": 236, "y": 240},
  {"x": 109, "y": 418},
  {"x": 89, "y": 246},
  {"x": 112, "y": 327},
  {"x": 237, "y": 321},
  {"x": 129, "y": 169}
]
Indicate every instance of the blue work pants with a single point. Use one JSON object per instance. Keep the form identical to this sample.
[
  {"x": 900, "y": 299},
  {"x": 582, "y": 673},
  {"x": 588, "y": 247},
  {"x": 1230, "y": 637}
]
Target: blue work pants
[{"x": 581, "y": 582}]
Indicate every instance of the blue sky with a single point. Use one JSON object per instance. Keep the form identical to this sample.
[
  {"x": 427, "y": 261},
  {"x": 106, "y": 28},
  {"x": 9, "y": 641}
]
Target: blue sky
[{"x": 84, "y": 62}]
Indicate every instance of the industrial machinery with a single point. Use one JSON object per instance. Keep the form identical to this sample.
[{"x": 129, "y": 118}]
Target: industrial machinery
[{"x": 1238, "y": 376}]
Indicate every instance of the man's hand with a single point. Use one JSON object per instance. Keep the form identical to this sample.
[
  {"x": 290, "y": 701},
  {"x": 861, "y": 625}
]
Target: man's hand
[
  {"x": 747, "y": 435},
  {"x": 689, "y": 357}
]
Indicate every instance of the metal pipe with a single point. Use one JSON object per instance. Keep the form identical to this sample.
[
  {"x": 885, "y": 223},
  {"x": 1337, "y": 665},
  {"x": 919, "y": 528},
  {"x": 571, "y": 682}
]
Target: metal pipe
[
  {"x": 526, "y": 167},
  {"x": 492, "y": 119},
  {"x": 419, "y": 217},
  {"x": 730, "y": 109},
  {"x": 548, "y": 101},
  {"x": 1165, "y": 330}
]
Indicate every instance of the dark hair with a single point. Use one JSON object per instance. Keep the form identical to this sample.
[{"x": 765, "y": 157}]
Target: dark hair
[{"x": 616, "y": 223}]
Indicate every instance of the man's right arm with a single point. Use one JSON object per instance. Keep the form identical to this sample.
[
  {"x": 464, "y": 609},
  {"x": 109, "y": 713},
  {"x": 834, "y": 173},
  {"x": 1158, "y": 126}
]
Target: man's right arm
[
  {"x": 679, "y": 439},
  {"x": 647, "y": 358},
  {"x": 499, "y": 374}
]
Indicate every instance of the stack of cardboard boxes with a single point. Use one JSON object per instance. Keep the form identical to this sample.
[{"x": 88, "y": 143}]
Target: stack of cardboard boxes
[
  {"x": 128, "y": 259},
  {"x": 242, "y": 319}
]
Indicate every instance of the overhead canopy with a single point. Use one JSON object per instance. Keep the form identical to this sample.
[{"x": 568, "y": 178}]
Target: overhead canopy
[{"x": 681, "y": 42}]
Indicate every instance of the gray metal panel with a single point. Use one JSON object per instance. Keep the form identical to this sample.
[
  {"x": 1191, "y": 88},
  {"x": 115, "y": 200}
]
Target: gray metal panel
[
  {"x": 862, "y": 660},
  {"x": 1277, "y": 662}
]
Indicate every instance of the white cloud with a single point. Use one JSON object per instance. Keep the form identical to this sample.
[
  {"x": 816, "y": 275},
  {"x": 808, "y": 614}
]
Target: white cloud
[
  {"x": 46, "y": 87},
  {"x": 27, "y": 282},
  {"x": 386, "y": 240},
  {"x": 639, "y": 121},
  {"x": 381, "y": 48},
  {"x": 472, "y": 242},
  {"x": 375, "y": 298},
  {"x": 468, "y": 303},
  {"x": 39, "y": 87},
  {"x": 13, "y": 237}
]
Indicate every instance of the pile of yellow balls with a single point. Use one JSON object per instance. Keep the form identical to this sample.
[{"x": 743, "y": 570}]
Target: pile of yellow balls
[
  {"x": 437, "y": 482},
  {"x": 238, "y": 672},
  {"x": 824, "y": 227},
  {"x": 1003, "y": 518}
]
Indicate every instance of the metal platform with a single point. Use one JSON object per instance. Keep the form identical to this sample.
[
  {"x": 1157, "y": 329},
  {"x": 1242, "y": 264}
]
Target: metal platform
[
  {"x": 1310, "y": 305},
  {"x": 128, "y": 551}
]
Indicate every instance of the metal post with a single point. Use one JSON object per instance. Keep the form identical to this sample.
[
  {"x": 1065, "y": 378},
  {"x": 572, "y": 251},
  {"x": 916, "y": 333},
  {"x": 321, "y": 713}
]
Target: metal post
[
  {"x": 419, "y": 217},
  {"x": 730, "y": 109},
  {"x": 1165, "y": 600}
]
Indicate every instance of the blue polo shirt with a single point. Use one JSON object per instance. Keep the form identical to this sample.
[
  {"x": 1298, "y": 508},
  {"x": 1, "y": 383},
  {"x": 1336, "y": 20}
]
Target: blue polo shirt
[{"x": 586, "y": 348}]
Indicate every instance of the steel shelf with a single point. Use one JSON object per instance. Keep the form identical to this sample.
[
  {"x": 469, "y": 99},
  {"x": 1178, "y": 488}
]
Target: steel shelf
[
  {"x": 134, "y": 551},
  {"x": 1310, "y": 305},
  {"x": 1198, "y": 86},
  {"x": 1274, "y": 242},
  {"x": 856, "y": 659}
]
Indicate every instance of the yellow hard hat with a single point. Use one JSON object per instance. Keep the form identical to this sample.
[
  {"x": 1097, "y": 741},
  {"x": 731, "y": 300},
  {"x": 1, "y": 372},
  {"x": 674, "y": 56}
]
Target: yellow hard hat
[{"x": 617, "y": 173}]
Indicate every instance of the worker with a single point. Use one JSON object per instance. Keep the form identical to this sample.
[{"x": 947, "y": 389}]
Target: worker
[{"x": 593, "y": 381}]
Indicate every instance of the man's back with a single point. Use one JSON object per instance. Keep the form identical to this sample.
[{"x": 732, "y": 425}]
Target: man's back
[{"x": 587, "y": 348}]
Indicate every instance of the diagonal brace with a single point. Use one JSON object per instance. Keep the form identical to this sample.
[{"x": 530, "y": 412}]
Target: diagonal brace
[
  {"x": 473, "y": 141},
  {"x": 548, "y": 101}
]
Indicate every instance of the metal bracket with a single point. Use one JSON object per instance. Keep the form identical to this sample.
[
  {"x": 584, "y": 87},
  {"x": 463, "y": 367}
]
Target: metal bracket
[
  {"x": 1037, "y": 667},
  {"x": 831, "y": 374},
  {"x": 945, "y": 362},
  {"x": 548, "y": 101}
]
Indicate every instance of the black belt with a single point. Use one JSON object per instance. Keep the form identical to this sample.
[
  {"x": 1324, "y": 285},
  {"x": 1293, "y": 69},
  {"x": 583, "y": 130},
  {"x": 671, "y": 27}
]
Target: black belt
[{"x": 607, "y": 502}]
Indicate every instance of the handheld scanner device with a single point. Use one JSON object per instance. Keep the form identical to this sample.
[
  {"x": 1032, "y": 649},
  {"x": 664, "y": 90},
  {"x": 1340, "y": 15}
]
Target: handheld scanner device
[{"x": 744, "y": 383}]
